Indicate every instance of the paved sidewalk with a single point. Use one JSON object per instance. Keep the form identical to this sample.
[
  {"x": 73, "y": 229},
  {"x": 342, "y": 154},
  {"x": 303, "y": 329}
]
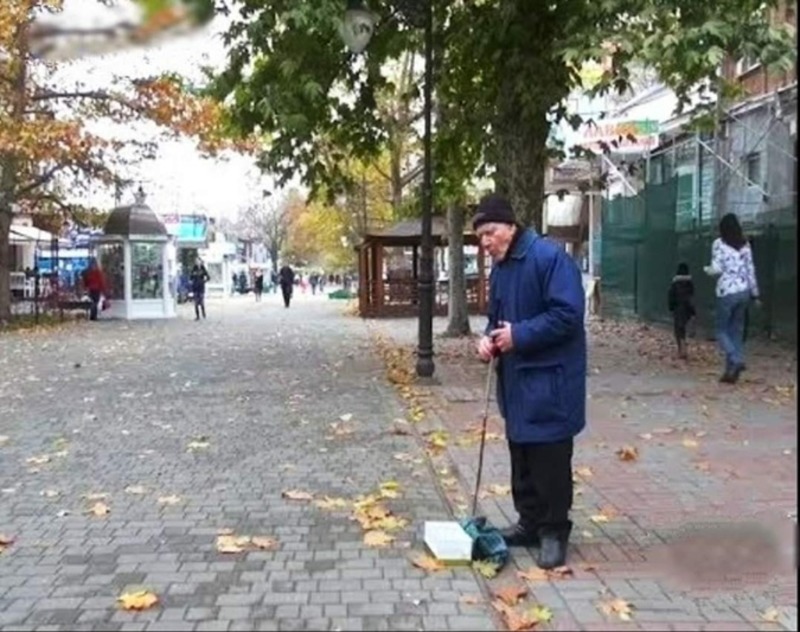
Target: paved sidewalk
[
  {"x": 693, "y": 534},
  {"x": 190, "y": 428}
]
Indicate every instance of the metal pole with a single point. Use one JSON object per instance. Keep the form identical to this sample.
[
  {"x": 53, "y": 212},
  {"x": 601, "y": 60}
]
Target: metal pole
[{"x": 425, "y": 365}]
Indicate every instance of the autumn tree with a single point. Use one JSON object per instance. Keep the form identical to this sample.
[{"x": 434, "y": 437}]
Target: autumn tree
[
  {"x": 324, "y": 232},
  {"x": 46, "y": 147},
  {"x": 504, "y": 69},
  {"x": 269, "y": 221}
]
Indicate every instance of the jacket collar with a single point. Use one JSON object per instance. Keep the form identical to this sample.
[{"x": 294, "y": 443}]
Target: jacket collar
[{"x": 522, "y": 241}]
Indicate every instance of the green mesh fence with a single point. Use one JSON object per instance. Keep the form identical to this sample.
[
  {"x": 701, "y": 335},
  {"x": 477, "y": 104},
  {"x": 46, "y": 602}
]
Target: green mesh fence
[{"x": 643, "y": 242}]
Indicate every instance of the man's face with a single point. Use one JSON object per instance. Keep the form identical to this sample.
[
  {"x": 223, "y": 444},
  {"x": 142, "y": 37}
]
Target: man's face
[{"x": 495, "y": 237}]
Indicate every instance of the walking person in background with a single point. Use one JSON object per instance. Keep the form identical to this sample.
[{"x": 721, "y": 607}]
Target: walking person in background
[
  {"x": 680, "y": 300},
  {"x": 95, "y": 283},
  {"x": 198, "y": 277},
  {"x": 732, "y": 264},
  {"x": 258, "y": 285},
  {"x": 536, "y": 330},
  {"x": 286, "y": 278}
]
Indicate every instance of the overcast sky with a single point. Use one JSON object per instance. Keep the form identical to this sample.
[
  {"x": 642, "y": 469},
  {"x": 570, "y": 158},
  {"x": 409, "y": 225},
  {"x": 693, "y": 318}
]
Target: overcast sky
[{"x": 179, "y": 179}]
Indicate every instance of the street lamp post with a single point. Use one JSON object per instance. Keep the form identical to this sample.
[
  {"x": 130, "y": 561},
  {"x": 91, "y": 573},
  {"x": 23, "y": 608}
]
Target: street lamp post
[{"x": 357, "y": 29}]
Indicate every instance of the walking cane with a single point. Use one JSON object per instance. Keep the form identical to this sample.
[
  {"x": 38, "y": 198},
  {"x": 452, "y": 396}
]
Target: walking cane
[{"x": 492, "y": 364}]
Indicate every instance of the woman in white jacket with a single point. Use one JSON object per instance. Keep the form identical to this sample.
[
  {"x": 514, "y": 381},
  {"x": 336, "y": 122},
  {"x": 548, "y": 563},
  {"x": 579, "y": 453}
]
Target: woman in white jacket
[{"x": 732, "y": 263}]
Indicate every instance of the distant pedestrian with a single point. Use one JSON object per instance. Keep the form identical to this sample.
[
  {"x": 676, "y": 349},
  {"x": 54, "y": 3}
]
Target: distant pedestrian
[
  {"x": 732, "y": 263},
  {"x": 286, "y": 276},
  {"x": 95, "y": 283},
  {"x": 198, "y": 278},
  {"x": 680, "y": 300},
  {"x": 234, "y": 283},
  {"x": 258, "y": 285},
  {"x": 536, "y": 331},
  {"x": 273, "y": 277}
]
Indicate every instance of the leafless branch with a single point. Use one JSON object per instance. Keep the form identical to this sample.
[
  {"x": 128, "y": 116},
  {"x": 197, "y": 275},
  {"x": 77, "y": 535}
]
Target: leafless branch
[
  {"x": 97, "y": 95},
  {"x": 39, "y": 180}
]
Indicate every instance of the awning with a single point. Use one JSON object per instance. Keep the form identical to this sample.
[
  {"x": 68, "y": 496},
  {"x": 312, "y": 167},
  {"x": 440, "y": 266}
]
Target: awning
[{"x": 21, "y": 234}]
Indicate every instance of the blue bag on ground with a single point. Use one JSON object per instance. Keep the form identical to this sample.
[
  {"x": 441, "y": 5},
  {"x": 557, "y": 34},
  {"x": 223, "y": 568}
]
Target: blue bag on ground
[{"x": 489, "y": 545}]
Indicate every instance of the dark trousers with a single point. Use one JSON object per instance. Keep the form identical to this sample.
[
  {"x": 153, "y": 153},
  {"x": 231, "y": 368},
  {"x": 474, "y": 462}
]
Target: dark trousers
[
  {"x": 94, "y": 297},
  {"x": 541, "y": 486},
  {"x": 199, "y": 304},
  {"x": 287, "y": 293},
  {"x": 680, "y": 319}
]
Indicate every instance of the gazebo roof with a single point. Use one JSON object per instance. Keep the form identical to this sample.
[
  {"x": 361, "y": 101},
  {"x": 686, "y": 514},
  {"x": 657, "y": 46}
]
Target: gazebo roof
[
  {"x": 136, "y": 219},
  {"x": 408, "y": 232}
]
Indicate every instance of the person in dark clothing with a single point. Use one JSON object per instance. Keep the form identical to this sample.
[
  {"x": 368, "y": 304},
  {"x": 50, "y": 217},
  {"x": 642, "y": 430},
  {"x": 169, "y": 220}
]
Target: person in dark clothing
[
  {"x": 680, "y": 299},
  {"x": 258, "y": 284},
  {"x": 536, "y": 332},
  {"x": 198, "y": 278},
  {"x": 286, "y": 278}
]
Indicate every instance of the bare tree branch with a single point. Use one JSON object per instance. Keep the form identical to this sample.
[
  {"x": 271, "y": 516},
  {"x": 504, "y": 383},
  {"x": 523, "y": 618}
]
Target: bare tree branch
[
  {"x": 98, "y": 95},
  {"x": 39, "y": 181}
]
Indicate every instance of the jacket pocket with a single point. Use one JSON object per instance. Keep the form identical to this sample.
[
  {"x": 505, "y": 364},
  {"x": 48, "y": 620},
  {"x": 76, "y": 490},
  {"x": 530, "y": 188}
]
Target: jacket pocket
[{"x": 542, "y": 392}]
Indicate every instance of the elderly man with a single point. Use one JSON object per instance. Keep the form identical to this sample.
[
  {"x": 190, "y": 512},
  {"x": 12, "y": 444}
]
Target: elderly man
[{"x": 536, "y": 328}]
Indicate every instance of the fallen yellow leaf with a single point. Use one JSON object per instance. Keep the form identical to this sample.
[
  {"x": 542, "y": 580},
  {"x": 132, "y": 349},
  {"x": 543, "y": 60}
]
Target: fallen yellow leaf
[
  {"x": 515, "y": 621},
  {"x": 5, "y": 541},
  {"x": 771, "y": 615},
  {"x": 487, "y": 569},
  {"x": 198, "y": 444},
  {"x": 136, "y": 489},
  {"x": 140, "y": 600},
  {"x": 619, "y": 607},
  {"x": 264, "y": 542},
  {"x": 511, "y": 595},
  {"x": 584, "y": 472},
  {"x": 377, "y": 539},
  {"x": 427, "y": 563},
  {"x": 499, "y": 490},
  {"x": 296, "y": 494},
  {"x": 533, "y": 574},
  {"x": 628, "y": 453},
  {"x": 99, "y": 509},
  {"x": 38, "y": 460},
  {"x": 232, "y": 543},
  {"x": 540, "y": 614},
  {"x": 169, "y": 500},
  {"x": 690, "y": 443},
  {"x": 331, "y": 503}
]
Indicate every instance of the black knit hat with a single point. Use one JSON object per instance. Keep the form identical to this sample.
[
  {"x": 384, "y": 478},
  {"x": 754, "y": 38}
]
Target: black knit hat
[{"x": 493, "y": 208}]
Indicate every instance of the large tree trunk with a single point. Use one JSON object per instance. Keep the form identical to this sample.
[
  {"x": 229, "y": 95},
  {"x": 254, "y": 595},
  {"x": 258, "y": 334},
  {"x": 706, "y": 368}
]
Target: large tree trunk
[
  {"x": 458, "y": 315},
  {"x": 521, "y": 158}
]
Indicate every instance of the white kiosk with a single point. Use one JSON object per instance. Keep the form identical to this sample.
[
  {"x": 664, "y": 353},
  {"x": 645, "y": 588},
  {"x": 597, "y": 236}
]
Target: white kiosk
[{"x": 138, "y": 260}]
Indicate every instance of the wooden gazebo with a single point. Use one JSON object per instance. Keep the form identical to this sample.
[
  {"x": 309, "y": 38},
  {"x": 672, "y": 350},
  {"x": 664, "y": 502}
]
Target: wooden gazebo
[{"x": 393, "y": 292}]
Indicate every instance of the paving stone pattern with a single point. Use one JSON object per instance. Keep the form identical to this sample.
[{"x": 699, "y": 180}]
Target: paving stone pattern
[
  {"x": 116, "y": 405},
  {"x": 725, "y": 474}
]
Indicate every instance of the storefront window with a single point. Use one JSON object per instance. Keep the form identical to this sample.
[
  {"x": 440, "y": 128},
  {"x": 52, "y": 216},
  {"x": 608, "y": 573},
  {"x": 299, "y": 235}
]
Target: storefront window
[
  {"x": 146, "y": 270},
  {"x": 112, "y": 262},
  {"x": 214, "y": 272}
]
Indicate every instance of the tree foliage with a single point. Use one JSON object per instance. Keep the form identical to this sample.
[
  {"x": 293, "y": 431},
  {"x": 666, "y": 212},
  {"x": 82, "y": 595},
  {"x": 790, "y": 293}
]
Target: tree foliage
[
  {"x": 503, "y": 71},
  {"x": 324, "y": 233},
  {"x": 46, "y": 146}
]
